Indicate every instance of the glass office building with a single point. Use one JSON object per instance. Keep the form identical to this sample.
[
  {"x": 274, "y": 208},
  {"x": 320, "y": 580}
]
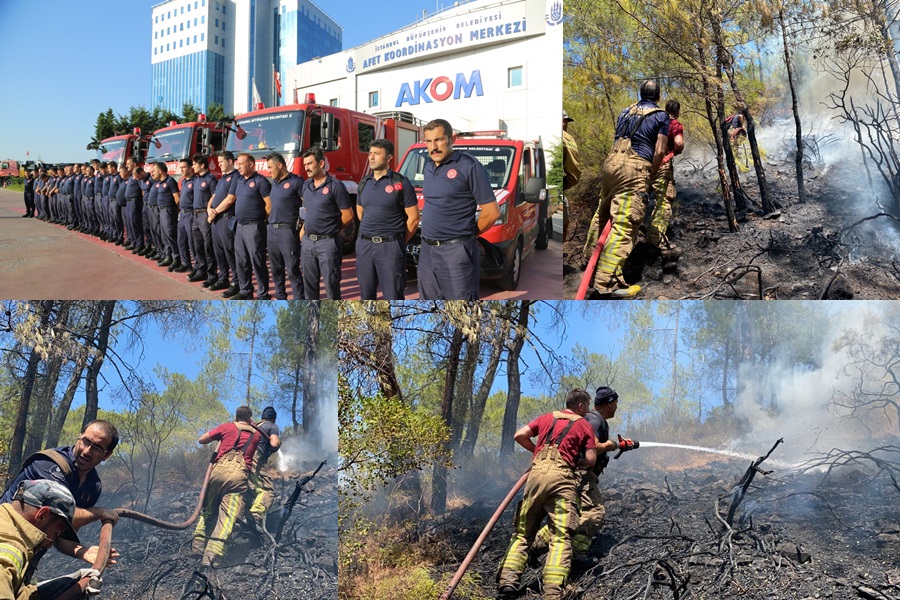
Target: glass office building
[{"x": 226, "y": 51}]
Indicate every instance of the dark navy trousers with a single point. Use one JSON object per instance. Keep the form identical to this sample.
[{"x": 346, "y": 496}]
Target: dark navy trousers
[
  {"x": 383, "y": 263},
  {"x": 168, "y": 229},
  {"x": 449, "y": 271},
  {"x": 185, "y": 243},
  {"x": 321, "y": 258},
  {"x": 284, "y": 256},
  {"x": 204, "y": 256},
  {"x": 250, "y": 252},
  {"x": 223, "y": 245}
]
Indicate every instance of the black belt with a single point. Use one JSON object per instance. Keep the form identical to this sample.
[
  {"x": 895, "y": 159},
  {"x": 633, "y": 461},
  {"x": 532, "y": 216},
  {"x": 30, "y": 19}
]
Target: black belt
[
  {"x": 380, "y": 239},
  {"x": 131, "y": 199},
  {"x": 320, "y": 236},
  {"x": 197, "y": 211},
  {"x": 462, "y": 238},
  {"x": 187, "y": 210},
  {"x": 290, "y": 225}
]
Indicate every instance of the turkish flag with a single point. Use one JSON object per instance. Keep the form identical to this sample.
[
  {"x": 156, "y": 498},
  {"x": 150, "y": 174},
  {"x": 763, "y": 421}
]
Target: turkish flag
[{"x": 278, "y": 83}]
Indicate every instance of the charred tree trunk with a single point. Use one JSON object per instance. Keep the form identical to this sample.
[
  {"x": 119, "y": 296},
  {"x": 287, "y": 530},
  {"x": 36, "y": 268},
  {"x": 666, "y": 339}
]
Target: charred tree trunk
[
  {"x": 43, "y": 406},
  {"x": 101, "y": 338},
  {"x": 714, "y": 123},
  {"x": 295, "y": 396},
  {"x": 726, "y": 403},
  {"x": 513, "y": 379},
  {"x": 62, "y": 411},
  {"x": 384, "y": 352},
  {"x": 17, "y": 443},
  {"x": 311, "y": 396},
  {"x": 439, "y": 483},
  {"x": 741, "y": 200},
  {"x": 795, "y": 107},
  {"x": 465, "y": 385},
  {"x": 467, "y": 448}
]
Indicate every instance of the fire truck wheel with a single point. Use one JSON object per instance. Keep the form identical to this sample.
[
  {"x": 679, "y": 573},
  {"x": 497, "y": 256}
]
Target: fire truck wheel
[{"x": 510, "y": 281}]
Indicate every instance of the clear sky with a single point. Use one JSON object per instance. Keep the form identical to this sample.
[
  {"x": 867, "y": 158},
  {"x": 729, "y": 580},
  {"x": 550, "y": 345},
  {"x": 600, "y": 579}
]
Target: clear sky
[{"x": 66, "y": 62}]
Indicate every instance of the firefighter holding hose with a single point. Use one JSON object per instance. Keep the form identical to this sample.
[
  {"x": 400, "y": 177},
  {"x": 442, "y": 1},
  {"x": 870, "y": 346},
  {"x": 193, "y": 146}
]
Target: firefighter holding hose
[
  {"x": 565, "y": 442},
  {"x": 641, "y": 142},
  {"x": 592, "y": 511}
]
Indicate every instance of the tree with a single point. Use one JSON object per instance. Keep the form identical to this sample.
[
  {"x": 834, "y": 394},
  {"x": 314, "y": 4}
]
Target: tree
[{"x": 189, "y": 112}]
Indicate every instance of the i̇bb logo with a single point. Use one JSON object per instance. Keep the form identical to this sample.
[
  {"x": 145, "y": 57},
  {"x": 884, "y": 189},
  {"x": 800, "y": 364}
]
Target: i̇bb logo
[
  {"x": 451, "y": 174},
  {"x": 389, "y": 189},
  {"x": 325, "y": 190}
]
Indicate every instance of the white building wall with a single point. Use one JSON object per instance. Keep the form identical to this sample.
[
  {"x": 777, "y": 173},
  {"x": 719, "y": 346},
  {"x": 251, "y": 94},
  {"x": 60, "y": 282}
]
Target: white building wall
[{"x": 464, "y": 42}]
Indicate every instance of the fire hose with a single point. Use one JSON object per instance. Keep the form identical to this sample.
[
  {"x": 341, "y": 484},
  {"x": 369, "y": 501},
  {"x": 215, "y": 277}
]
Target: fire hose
[
  {"x": 592, "y": 264},
  {"x": 457, "y": 577},
  {"x": 138, "y": 516}
]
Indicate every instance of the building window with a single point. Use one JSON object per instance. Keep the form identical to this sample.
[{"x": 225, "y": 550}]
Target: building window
[
  {"x": 373, "y": 101},
  {"x": 203, "y": 19},
  {"x": 217, "y": 40},
  {"x": 154, "y": 50},
  {"x": 515, "y": 77},
  {"x": 195, "y": 39},
  {"x": 189, "y": 24},
  {"x": 332, "y": 102},
  {"x": 188, "y": 40},
  {"x": 167, "y": 30},
  {"x": 180, "y": 43},
  {"x": 223, "y": 42},
  {"x": 156, "y": 19},
  {"x": 195, "y": 5},
  {"x": 182, "y": 10},
  {"x": 167, "y": 47},
  {"x": 195, "y": 21},
  {"x": 217, "y": 6},
  {"x": 170, "y": 14},
  {"x": 181, "y": 28},
  {"x": 217, "y": 22},
  {"x": 202, "y": 37},
  {"x": 154, "y": 35},
  {"x": 189, "y": 7}
]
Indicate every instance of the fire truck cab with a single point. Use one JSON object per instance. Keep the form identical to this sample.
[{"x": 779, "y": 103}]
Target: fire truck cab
[
  {"x": 178, "y": 141},
  {"x": 344, "y": 135},
  {"x": 517, "y": 173},
  {"x": 119, "y": 148}
]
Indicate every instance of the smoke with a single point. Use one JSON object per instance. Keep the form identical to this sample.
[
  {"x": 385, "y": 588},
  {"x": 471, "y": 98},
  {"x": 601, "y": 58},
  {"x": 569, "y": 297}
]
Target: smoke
[
  {"x": 298, "y": 450},
  {"x": 796, "y": 402}
]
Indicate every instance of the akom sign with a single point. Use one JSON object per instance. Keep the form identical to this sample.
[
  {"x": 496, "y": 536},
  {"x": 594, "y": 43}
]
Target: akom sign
[{"x": 440, "y": 89}]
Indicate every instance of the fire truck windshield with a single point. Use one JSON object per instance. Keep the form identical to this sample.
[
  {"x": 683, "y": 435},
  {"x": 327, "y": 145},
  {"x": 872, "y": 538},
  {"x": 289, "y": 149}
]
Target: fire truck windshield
[
  {"x": 174, "y": 145},
  {"x": 281, "y": 132},
  {"x": 112, "y": 150},
  {"x": 497, "y": 161}
]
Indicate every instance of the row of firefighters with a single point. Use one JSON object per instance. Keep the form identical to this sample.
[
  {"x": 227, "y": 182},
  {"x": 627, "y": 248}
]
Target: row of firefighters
[
  {"x": 56, "y": 490},
  {"x": 226, "y": 232}
]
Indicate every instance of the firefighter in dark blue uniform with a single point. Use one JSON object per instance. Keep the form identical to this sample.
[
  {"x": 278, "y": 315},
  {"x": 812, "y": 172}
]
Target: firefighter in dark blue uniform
[
  {"x": 186, "y": 221},
  {"x": 249, "y": 193},
  {"x": 204, "y": 187},
  {"x": 328, "y": 211},
  {"x": 76, "y": 197},
  {"x": 283, "y": 234},
  {"x": 151, "y": 223},
  {"x": 39, "y": 201},
  {"x": 388, "y": 214},
  {"x": 455, "y": 185},
  {"x": 87, "y": 192},
  {"x": 134, "y": 210},
  {"x": 66, "y": 190},
  {"x": 223, "y": 225},
  {"x": 119, "y": 206},
  {"x": 167, "y": 196},
  {"x": 116, "y": 233},
  {"x": 29, "y": 194}
]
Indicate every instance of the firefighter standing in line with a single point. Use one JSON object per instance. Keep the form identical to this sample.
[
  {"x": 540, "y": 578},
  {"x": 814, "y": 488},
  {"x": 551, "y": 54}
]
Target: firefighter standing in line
[
  {"x": 328, "y": 212},
  {"x": 186, "y": 221},
  {"x": 551, "y": 491},
  {"x": 121, "y": 207},
  {"x": 78, "y": 221},
  {"x": 40, "y": 208},
  {"x": 388, "y": 216},
  {"x": 228, "y": 482},
  {"x": 87, "y": 194},
  {"x": 204, "y": 188},
  {"x": 148, "y": 188},
  {"x": 29, "y": 195},
  {"x": 134, "y": 209},
  {"x": 590, "y": 507},
  {"x": 249, "y": 193},
  {"x": 223, "y": 224},
  {"x": 115, "y": 211},
  {"x": 167, "y": 197},
  {"x": 638, "y": 150},
  {"x": 664, "y": 188},
  {"x": 454, "y": 187},
  {"x": 97, "y": 217},
  {"x": 39, "y": 513},
  {"x": 261, "y": 476},
  {"x": 283, "y": 235}
]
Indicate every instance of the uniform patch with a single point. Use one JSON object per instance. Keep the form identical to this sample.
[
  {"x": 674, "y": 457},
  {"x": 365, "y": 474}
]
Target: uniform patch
[
  {"x": 252, "y": 184},
  {"x": 325, "y": 190},
  {"x": 190, "y": 185},
  {"x": 451, "y": 174},
  {"x": 398, "y": 186},
  {"x": 389, "y": 189},
  {"x": 287, "y": 185},
  {"x": 203, "y": 184}
]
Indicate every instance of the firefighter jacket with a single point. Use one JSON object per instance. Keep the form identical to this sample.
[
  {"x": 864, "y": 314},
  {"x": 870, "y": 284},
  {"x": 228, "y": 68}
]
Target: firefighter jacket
[{"x": 18, "y": 541}]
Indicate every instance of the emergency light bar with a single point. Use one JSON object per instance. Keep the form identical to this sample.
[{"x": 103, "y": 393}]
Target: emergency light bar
[
  {"x": 309, "y": 98},
  {"x": 201, "y": 117},
  {"x": 260, "y": 106},
  {"x": 493, "y": 133},
  {"x": 137, "y": 131}
]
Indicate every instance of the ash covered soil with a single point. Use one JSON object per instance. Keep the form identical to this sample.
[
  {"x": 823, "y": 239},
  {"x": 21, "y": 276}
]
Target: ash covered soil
[
  {"x": 156, "y": 564},
  {"x": 795, "y": 535},
  {"x": 801, "y": 251}
]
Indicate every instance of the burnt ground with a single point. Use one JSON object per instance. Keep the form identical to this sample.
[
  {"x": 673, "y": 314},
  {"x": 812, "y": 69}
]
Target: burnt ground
[
  {"x": 156, "y": 564},
  {"x": 798, "y": 252},
  {"x": 796, "y": 535}
]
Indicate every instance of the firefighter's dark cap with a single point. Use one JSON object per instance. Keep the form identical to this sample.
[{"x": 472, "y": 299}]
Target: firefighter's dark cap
[{"x": 605, "y": 395}]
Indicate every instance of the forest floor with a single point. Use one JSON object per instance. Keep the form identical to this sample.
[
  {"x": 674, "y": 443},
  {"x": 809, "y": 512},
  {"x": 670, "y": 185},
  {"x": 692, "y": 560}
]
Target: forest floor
[
  {"x": 156, "y": 564},
  {"x": 814, "y": 250},
  {"x": 797, "y": 534}
]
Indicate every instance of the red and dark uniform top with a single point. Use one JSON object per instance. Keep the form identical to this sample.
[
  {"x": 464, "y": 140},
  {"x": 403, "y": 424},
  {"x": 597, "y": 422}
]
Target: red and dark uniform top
[
  {"x": 222, "y": 190},
  {"x": 250, "y": 193},
  {"x": 384, "y": 204},
  {"x": 643, "y": 140},
  {"x": 233, "y": 438},
  {"x": 675, "y": 129},
  {"x": 453, "y": 191},
  {"x": 165, "y": 192},
  {"x": 579, "y": 438},
  {"x": 324, "y": 204},
  {"x": 43, "y": 467}
]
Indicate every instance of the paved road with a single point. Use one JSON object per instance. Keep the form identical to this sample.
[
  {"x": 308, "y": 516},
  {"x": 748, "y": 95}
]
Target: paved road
[{"x": 41, "y": 260}]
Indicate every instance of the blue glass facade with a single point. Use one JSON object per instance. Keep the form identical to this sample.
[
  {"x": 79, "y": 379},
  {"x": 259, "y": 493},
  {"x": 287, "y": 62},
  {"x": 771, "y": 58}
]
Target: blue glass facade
[
  {"x": 198, "y": 78},
  {"x": 303, "y": 35}
]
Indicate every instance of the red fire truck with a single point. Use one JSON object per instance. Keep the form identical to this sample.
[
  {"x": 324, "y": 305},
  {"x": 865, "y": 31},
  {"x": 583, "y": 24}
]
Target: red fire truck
[
  {"x": 345, "y": 136},
  {"x": 119, "y": 148},
  {"x": 182, "y": 140},
  {"x": 517, "y": 173},
  {"x": 9, "y": 168}
]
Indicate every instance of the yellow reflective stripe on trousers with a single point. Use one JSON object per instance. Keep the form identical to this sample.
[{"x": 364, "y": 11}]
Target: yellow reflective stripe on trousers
[
  {"x": 517, "y": 553},
  {"x": 232, "y": 507},
  {"x": 609, "y": 259},
  {"x": 557, "y": 566},
  {"x": 13, "y": 555}
]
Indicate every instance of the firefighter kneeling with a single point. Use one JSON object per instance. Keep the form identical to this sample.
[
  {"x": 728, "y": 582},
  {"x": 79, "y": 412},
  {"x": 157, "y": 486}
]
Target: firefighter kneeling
[{"x": 551, "y": 491}]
